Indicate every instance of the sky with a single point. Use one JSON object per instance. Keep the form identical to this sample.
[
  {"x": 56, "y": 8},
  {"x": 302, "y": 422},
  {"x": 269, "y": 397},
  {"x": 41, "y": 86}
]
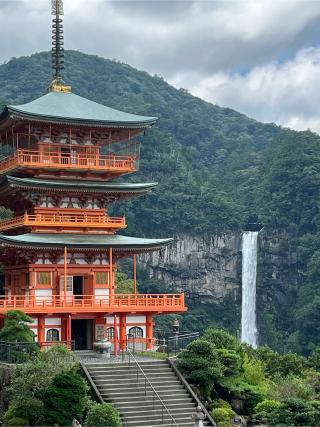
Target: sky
[{"x": 259, "y": 57}]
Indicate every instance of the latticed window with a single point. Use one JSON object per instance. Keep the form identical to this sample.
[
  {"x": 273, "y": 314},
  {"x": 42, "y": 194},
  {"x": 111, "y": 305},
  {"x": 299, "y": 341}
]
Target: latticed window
[
  {"x": 53, "y": 335},
  {"x": 110, "y": 333},
  {"x": 101, "y": 278},
  {"x": 136, "y": 332},
  {"x": 44, "y": 278}
]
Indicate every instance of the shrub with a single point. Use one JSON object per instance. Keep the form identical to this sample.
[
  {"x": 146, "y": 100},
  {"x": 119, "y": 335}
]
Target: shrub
[
  {"x": 223, "y": 416},
  {"x": 16, "y": 327},
  {"x": 288, "y": 412},
  {"x": 291, "y": 387},
  {"x": 253, "y": 371},
  {"x": 220, "y": 403},
  {"x": 314, "y": 359},
  {"x": 29, "y": 409},
  {"x": 230, "y": 360},
  {"x": 17, "y": 422},
  {"x": 103, "y": 415},
  {"x": 292, "y": 364},
  {"x": 250, "y": 395},
  {"x": 263, "y": 410},
  {"x": 221, "y": 339},
  {"x": 200, "y": 364},
  {"x": 32, "y": 379},
  {"x": 65, "y": 398}
]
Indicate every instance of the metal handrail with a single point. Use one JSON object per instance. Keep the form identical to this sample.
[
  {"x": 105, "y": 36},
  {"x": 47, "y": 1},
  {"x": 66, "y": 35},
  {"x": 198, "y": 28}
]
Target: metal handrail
[{"x": 155, "y": 393}]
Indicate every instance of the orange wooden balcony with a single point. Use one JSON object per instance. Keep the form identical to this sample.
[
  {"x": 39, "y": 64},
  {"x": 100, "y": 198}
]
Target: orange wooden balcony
[
  {"x": 95, "y": 304},
  {"x": 72, "y": 162},
  {"x": 64, "y": 221}
]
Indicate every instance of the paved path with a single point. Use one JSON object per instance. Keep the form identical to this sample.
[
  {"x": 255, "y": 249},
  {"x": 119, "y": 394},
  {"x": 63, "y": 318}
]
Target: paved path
[{"x": 91, "y": 357}]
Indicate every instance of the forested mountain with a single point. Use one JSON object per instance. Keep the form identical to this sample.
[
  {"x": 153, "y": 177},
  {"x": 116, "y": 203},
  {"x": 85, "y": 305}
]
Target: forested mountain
[{"x": 217, "y": 169}]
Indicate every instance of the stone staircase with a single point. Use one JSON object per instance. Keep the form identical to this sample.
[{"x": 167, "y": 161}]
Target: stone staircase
[{"x": 126, "y": 388}]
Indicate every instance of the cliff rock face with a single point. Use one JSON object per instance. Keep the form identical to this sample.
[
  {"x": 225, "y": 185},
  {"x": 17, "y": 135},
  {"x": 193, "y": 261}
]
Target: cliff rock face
[
  {"x": 277, "y": 284},
  {"x": 208, "y": 267}
]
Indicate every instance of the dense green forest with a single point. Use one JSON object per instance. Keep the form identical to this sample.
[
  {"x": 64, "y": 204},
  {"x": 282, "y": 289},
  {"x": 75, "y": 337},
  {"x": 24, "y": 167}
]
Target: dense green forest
[{"x": 217, "y": 170}]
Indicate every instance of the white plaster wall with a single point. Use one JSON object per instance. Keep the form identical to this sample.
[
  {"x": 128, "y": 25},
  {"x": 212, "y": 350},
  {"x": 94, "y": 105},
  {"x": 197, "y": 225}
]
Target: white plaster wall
[
  {"x": 53, "y": 321},
  {"x": 136, "y": 319}
]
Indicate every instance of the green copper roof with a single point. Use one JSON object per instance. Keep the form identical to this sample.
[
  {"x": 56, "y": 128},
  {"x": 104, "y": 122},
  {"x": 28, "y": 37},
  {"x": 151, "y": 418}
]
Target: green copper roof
[
  {"x": 79, "y": 241},
  {"x": 80, "y": 185},
  {"x": 68, "y": 107}
]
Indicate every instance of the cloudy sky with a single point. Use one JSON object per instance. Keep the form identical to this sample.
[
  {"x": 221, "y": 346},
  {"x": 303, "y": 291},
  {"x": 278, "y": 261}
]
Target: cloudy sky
[{"x": 260, "y": 57}]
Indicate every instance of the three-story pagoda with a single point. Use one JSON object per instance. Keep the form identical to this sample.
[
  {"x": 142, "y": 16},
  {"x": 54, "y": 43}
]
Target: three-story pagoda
[{"x": 60, "y": 156}]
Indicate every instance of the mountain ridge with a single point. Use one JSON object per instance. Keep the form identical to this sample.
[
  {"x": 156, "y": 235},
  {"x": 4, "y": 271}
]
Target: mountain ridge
[{"x": 217, "y": 170}]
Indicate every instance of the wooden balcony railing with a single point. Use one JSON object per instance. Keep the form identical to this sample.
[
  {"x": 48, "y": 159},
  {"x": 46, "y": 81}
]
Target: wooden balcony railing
[
  {"x": 90, "y": 303},
  {"x": 39, "y": 160},
  {"x": 64, "y": 220}
]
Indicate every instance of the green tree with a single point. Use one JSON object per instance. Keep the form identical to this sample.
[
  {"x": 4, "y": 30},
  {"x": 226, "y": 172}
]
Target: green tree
[
  {"x": 221, "y": 339},
  {"x": 200, "y": 364},
  {"x": 124, "y": 285},
  {"x": 29, "y": 409},
  {"x": 65, "y": 398},
  {"x": 103, "y": 414},
  {"x": 16, "y": 327},
  {"x": 32, "y": 379}
]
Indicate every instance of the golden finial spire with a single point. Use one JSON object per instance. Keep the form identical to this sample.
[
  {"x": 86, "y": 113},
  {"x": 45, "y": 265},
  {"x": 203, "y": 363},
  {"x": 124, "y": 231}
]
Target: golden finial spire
[{"x": 58, "y": 84}]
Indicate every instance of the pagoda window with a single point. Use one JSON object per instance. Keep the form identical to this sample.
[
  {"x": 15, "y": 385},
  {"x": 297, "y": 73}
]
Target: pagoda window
[
  {"x": 136, "y": 332},
  {"x": 102, "y": 278},
  {"x": 45, "y": 278},
  {"x": 110, "y": 333},
  {"x": 52, "y": 335}
]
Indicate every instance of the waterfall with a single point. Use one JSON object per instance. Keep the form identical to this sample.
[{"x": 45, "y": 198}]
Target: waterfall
[{"x": 249, "y": 276}]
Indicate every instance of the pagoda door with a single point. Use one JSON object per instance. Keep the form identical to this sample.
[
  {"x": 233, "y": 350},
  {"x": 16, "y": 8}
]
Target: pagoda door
[{"x": 66, "y": 291}]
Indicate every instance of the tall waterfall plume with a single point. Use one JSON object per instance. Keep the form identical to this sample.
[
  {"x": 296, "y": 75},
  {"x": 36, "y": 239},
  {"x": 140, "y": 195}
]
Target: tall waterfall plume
[{"x": 249, "y": 278}]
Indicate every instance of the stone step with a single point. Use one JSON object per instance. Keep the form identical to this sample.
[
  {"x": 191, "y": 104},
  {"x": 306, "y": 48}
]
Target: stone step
[
  {"x": 135, "y": 400},
  {"x": 149, "y": 411},
  {"x": 149, "y": 405},
  {"x": 150, "y": 421},
  {"x": 159, "y": 389},
  {"x": 129, "y": 375},
  {"x": 174, "y": 400},
  {"x": 123, "y": 370},
  {"x": 133, "y": 382},
  {"x": 137, "y": 395},
  {"x": 110, "y": 365}
]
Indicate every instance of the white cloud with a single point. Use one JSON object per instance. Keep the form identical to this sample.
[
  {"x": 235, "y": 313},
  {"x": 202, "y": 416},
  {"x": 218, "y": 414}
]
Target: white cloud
[{"x": 285, "y": 93}]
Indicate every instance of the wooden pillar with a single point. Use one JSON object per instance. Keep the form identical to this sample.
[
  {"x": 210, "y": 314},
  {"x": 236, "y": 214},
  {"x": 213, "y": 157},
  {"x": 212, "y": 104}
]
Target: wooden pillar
[
  {"x": 123, "y": 334},
  {"x": 149, "y": 328},
  {"x": 69, "y": 335},
  {"x": 111, "y": 290},
  {"x": 65, "y": 274},
  {"x": 134, "y": 274},
  {"x": 41, "y": 329},
  {"x": 115, "y": 339}
]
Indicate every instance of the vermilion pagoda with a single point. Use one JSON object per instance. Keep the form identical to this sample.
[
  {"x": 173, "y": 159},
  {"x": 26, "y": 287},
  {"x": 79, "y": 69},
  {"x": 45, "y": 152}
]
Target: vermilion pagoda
[{"x": 62, "y": 153}]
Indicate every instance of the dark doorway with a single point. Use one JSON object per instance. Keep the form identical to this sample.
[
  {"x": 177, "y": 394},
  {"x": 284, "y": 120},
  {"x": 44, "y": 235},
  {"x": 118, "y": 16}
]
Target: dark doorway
[
  {"x": 82, "y": 334},
  {"x": 77, "y": 285}
]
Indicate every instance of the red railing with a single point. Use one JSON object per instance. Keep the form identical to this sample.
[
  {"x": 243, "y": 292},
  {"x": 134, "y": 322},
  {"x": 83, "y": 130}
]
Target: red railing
[
  {"x": 66, "y": 220},
  {"x": 39, "y": 159},
  {"x": 91, "y": 303}
]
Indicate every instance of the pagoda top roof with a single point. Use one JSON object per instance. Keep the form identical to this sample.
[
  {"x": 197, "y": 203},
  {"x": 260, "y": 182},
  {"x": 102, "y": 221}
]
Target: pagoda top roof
[
  {"x": 83, "y": 241},
  {"x": 67, "y": 107}
]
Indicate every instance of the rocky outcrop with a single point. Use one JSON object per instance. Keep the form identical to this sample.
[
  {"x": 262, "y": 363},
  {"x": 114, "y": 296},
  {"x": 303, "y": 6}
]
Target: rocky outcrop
[{"x": 209, "y": 267}]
